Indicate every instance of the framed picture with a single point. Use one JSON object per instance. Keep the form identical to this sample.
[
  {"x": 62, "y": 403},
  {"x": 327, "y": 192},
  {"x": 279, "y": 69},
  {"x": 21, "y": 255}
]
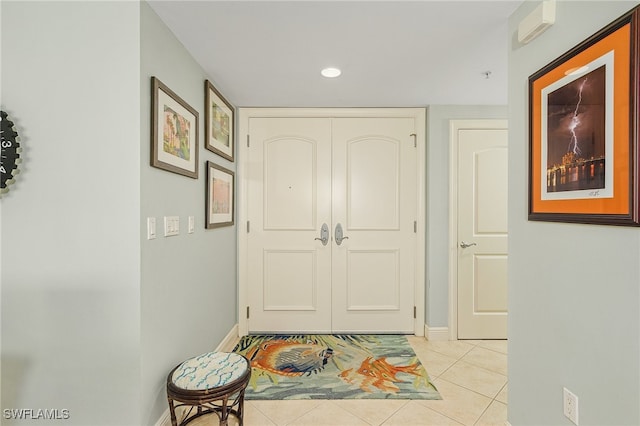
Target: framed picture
[
  {"x": 174, "y": 132},
  {"x": 219, "y": 197},
  {"x": 218, "y": 129},
  {"x": 583, "y": 123}
]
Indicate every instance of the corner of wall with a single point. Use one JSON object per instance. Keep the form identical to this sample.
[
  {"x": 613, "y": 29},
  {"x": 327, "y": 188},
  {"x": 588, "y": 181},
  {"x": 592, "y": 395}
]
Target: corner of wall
[{"x": 436, "y": 334}]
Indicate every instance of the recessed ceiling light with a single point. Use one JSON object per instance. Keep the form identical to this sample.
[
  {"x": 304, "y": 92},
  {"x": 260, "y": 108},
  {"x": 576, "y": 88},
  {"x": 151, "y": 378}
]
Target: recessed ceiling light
[{"x": 331, "y": 72}]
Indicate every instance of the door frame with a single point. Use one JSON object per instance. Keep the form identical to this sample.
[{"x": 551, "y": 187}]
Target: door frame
[
  {"x": 245, "y": 114},
  {"x": 454, "y": 127}
]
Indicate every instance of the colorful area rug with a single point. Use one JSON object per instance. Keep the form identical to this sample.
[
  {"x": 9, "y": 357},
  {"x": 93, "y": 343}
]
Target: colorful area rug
[{"x": 323, "y": 366}]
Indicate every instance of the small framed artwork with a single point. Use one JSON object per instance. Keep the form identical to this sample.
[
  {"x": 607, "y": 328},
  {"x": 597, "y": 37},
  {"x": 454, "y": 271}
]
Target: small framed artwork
[
  {"x": 174, "y": 132},
  {"x": 218, "y": 129},
  {"x": 583, "y": 131},
  {"x": 219, "y": 197}
]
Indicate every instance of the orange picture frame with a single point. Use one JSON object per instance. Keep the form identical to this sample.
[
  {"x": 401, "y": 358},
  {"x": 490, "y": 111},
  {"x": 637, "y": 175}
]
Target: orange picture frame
[{"x": 583, "y": 131}]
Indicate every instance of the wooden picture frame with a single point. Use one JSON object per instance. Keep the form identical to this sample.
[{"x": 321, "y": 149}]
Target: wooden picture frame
[
  {"x": 174, "y": 132},
  {"x": 219, "y": 127},
  {"x": 583, "y": 131},
  {"x": 220, "y": 200}
]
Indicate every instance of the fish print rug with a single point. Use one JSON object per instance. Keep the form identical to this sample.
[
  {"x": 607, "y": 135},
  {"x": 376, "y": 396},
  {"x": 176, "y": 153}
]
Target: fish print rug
[{"x": 324, "y": 366}]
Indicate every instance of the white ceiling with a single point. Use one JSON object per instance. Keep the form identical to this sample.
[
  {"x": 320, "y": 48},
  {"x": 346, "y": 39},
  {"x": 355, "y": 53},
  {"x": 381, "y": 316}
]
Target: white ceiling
[{"x": 392, "y": 53}]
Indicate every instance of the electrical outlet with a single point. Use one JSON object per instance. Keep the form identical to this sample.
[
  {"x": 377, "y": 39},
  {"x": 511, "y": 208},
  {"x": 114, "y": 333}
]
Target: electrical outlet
[{"x": 570, "y": 404}]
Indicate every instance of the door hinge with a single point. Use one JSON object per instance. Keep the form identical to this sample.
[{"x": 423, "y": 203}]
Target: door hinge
[
  {"x": 415, "y": 139},
  {"x": 415, "y": 226},
  {"x": 248, "y": 142},
  {"x": 414, "y": 312},
  {"x": 248, "y": 227},
  {"x": 248, "y": 312}
]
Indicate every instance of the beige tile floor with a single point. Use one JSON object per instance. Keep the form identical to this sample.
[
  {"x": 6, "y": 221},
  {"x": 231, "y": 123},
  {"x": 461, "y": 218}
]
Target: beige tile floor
[{"x": 470, "y": 375}]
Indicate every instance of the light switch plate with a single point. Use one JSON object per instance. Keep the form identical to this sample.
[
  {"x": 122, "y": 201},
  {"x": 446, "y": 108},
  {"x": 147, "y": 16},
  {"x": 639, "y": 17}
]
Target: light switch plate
[
  {"x": 151, "y": 228},
  {"x": 192, "y": 224},
  {"x": 171, "y": 225}
]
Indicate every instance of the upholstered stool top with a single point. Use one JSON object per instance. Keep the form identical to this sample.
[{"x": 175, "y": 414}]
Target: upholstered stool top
[{"x": 210, "y": 370}]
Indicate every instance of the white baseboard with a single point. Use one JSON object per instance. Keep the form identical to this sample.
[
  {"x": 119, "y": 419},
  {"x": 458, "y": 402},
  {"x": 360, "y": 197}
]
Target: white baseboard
[
  {"x": 435, "y": 334},
  {"x": 165, "y": 419},
  {"x": 226, "y": 345},
  {"x": 229, "y": 341}
]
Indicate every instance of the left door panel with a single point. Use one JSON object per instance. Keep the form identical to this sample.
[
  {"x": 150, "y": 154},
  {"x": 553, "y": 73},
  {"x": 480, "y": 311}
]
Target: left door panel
[{"x": 289, "y": 189}]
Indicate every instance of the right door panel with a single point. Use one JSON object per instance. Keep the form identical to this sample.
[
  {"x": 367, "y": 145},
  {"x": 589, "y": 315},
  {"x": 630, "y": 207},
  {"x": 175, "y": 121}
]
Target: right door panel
[{"x": 374, "y": 199}]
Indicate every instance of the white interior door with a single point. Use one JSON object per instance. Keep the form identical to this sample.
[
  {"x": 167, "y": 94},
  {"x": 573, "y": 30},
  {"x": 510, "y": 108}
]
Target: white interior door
[
  {"x": 374, "y": 200},
  {"x": 359, "y": 173},
  {"x": 482, "y": 233},
  {"x": 289, "y": 198}
]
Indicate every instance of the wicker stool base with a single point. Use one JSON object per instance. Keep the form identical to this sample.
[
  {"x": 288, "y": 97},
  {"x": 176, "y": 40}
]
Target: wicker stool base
[{"x": 222, "y": 400}]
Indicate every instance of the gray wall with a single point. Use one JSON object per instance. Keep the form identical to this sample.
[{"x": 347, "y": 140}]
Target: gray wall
[
  {"x": 93, "y": 314},
  {"x": 188, "y": 282},
  {"x": 573, "y": 289},
  {"x": 438, "y": 116},
  {"x": 71, "y": 224}
]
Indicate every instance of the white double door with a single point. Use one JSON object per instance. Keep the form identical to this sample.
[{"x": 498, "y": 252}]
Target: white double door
[{"x": 306, "y": 174}]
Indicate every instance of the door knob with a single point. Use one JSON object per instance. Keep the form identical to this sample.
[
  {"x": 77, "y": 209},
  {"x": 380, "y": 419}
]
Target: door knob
[
  {"x": 339, "y": 235},
  {"x": 324, "y": 234},
  {"x": 466, "y": 245}
]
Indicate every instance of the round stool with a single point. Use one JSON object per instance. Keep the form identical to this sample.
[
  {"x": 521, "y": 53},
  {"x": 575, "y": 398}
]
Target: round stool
[{"x": 209, "y": 383}]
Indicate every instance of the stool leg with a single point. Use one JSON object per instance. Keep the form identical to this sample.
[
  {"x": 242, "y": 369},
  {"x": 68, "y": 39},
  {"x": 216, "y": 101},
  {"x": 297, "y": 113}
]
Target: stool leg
[
  {"x": 241, "y": 408},
  {"x": 224, "y": 412},
  {"x": 172, "y": 411}
]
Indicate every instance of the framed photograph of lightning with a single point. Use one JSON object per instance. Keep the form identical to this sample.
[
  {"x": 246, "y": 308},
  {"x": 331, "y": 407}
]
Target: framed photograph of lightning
[
  {"x": 218, "y": 129},
  {"x": 219, "y": 198},
  {"x": 583, "y": 131},
  {"x": 174, "y": 132}
]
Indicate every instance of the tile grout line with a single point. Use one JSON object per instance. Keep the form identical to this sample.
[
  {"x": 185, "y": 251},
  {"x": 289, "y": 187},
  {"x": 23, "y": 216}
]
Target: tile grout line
[
  {"x": 449, "y": 355},
  {"x": 459, "y": 359},
  {"x": 451, "y": 418},
  {"x": 448, "y": 368},
  {"x": 499, "y": 392},
  {"x": 280, "y": 400},
  {"x": 489, "y": 369},
  {"x": 255, "y": 407},
  {"x": 302, "y": 415},
  {"x": 492, "y": 401},
  {"x": 480, "y": 367},
  {"x": 471, "y": 390},
  {"x": 444, "y": 415},
  {"x": 389, "y": 416},
  {"x": 482, "y": 414},
  {"x": 493, "y": 350},
  {"x": 456, "y": 361}
]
